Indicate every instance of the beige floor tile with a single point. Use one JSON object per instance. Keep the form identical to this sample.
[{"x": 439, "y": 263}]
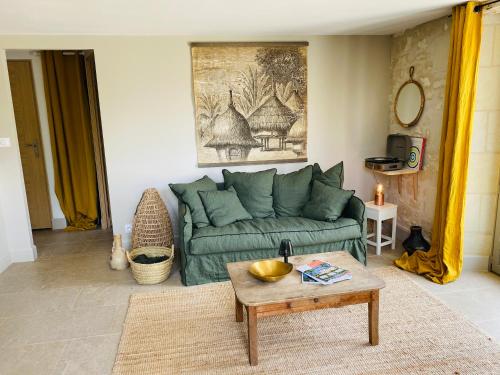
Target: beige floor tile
[
  {"x": 38, "y": 359},
  {"x": 92, "y": 355},
  {"x": 491, "y": 328},
  {"x": 468, "y": 281},
  {"x": 37, "y": 301},
  {"x": 470, "y": 304},
  {"x": 62, "y": 325},
  {"x": 108, "y": 294}
]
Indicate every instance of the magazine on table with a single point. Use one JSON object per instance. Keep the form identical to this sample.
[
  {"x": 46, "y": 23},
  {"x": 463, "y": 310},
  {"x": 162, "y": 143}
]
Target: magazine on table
[
  {"x": 307, "y": 280},
  {"x": 323, "y": 273}
]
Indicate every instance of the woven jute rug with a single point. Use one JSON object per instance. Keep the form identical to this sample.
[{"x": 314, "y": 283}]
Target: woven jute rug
[{"x": 192, "y": 331}]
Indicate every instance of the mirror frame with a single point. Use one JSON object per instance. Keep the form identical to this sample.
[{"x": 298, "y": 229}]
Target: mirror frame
[{"x": 422, "y": 101}]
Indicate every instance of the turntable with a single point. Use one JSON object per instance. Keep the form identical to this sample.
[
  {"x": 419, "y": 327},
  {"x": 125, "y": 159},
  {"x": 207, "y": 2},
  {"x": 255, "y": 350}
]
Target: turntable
[{"x": 398, "y": 149}]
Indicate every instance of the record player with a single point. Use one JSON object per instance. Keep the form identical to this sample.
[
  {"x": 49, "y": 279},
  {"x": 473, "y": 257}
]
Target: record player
[{"x": 397, "y": 151}]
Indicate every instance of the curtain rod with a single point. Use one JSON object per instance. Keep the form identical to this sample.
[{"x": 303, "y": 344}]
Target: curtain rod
[{"x": 478, "y": 8}]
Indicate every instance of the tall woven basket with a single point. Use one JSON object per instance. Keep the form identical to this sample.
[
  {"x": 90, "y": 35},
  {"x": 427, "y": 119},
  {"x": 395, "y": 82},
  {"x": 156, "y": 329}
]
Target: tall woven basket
[{"x": 152, "y": 225}]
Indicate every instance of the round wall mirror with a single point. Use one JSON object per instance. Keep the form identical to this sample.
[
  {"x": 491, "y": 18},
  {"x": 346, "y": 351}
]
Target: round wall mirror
[{"x": 409, "y": 103}]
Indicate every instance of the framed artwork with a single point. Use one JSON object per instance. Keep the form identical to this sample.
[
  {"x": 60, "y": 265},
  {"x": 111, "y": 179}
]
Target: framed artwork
[{"x": 250, "y": 102}]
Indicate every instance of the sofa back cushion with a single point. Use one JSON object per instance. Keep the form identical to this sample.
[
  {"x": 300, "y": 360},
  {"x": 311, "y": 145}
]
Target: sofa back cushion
[
  {"x": 327, "y": 202},
  {"x": 332, "y": 177},
  {"x": 188, "y": 193},
  {"x": 223, "y": 207},
  {"x": 255, "y": 190},
  {"x": 291, "y": 192}
]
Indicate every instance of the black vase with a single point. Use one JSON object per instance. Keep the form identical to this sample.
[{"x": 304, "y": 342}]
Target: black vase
[{"x": 416, "y": 241}]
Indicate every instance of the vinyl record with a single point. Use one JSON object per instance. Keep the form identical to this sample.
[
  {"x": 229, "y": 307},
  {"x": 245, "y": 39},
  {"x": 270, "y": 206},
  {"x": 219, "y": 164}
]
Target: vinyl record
[{"x": 414, "y": 157}]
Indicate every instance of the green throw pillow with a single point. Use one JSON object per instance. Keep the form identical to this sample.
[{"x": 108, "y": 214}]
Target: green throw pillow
[
  {"x": 255, "y": 190},
  {"x": 223, "y": 207},
  {"x": 188, "y": 193},
  {"x": 332, "y": 177},
  {"x": 327, "y": 202},
  {"x": 291, "y": 191}
]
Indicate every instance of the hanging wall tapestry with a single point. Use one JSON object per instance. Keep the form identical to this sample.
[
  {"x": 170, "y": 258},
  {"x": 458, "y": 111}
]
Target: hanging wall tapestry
[{"x": 250, "y": 102}]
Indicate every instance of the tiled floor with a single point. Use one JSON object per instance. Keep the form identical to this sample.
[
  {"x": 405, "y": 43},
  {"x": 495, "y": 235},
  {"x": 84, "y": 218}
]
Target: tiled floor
[{"x": 63, "y": 313}]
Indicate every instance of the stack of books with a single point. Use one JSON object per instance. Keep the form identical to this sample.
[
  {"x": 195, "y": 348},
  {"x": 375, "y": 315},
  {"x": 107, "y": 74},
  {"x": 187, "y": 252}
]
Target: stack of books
[{"x": 323, "y": 273}]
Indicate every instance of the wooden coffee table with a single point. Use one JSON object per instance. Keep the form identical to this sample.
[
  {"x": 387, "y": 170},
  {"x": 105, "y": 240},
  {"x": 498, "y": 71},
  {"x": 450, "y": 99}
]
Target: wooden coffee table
[{"x": 290, "y": 295}]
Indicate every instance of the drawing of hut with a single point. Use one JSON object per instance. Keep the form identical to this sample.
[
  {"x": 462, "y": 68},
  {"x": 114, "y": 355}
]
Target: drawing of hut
[
  {"x": 297, "y": 136},
  {"x": 295, "y": 103},
  {"x": 272, "y": 120},
  {"x": 231, "y": 134}
]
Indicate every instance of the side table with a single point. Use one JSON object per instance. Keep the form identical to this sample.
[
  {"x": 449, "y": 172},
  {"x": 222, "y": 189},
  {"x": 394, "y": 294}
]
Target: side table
[{"x": 379, "y": 214}]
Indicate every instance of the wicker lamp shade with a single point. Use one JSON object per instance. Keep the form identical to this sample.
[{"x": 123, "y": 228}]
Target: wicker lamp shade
[{"x": 152, "y": 225}]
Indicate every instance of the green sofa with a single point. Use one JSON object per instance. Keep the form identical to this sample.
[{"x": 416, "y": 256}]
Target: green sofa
[{"x": 205, "y": 251}]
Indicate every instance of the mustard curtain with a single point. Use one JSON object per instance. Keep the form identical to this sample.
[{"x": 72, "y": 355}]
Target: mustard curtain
[
  {"x": 443, "y": 262},
  {"x": 71, "y": 138}
]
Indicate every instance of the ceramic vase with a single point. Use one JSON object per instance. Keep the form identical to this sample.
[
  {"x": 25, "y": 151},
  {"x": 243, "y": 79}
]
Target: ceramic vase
[
  {"x": 118, "y": 259},
  {"x": 416, "y": 241}
]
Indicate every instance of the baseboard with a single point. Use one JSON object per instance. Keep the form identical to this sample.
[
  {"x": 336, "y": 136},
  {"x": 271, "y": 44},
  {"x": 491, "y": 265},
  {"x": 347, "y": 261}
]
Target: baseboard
[
  {"x": 402, "y": 233},
  {"x": 58, "y": 223},
  {"x": 23, "y": 255},
  {"x": 475, "y": 263},
  {"x": 126, "y": 242},
  {"x": 4, "y": 263}
]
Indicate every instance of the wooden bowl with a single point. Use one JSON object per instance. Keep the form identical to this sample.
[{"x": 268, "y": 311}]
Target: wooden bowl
[{"x": 270, "y": 270}]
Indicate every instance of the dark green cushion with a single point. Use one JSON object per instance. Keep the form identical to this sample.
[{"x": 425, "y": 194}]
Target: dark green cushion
[
  {"x": 291, "y": 192},
  {"x": 332, "y": 177},
  {"x": 327, "y": 202},
  {"x": 259, "y": 234},
  {"x": 188, "y": 193},
  {"x": 254, "y": 190},
  {"x": 223, "y": 207}
]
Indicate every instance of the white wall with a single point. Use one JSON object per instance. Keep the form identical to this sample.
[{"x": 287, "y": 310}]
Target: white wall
[
  {"x": 4, "y": 247},
  {"x": 58, "y": 220},
  {"x": 148, "y": 119},
  {"x": 484, "y": 160},
  {"x": 15, "y": 235}
]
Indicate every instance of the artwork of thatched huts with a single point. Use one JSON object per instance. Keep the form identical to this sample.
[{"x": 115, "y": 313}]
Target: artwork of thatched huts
[
  {"x": 297, "y": 136},
  {"x": 231, "y": 135},
  {"x": 250, "y": 102},
  {"x": 272, "y": 120},
  {"x": 295, "y": 103}
]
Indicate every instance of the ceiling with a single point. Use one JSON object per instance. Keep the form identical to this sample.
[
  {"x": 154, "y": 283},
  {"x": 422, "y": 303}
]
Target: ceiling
[{"x": 217, "y": 17}]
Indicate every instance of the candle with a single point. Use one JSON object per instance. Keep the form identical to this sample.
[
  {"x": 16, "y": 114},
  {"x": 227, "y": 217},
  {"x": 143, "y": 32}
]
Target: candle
[{"x": 379, "y": 195}]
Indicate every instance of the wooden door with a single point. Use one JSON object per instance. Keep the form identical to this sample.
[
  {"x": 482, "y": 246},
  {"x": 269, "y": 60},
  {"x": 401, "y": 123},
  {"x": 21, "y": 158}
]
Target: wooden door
[{"x": 30, "y": 143}]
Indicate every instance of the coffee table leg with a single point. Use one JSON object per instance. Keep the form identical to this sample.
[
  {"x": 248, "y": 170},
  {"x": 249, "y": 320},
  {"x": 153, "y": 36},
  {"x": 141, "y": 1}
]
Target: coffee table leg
[
  {"x": 373, "y": 318},
  {"x": 239, "y": 309},
  {"x": 252, "y": 336}
]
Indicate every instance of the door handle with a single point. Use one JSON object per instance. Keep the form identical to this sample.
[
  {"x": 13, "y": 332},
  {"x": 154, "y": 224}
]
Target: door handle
[{"x": 35, "y": 148}]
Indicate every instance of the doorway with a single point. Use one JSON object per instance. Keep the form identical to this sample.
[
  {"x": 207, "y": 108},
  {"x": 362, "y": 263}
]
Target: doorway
[{"x": 61, "y": 178}]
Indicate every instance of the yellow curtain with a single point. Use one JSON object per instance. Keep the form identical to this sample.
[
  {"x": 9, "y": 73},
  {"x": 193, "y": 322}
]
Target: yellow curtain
[
  {"x": 71, "y": 138},
  {"x": 443, "y": 262}
]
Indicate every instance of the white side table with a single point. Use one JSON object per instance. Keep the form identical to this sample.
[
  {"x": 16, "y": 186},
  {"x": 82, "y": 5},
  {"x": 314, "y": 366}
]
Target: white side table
[{"x": 379, "y": 214}]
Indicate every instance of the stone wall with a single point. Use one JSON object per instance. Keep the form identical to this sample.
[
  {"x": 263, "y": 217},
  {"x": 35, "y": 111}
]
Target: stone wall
[
  {"x": 426, "y": 48},
  {"x": 484, "y": 161}
]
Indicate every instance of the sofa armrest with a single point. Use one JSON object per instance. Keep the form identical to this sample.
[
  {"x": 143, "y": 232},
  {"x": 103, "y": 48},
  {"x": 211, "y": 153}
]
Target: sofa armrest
[{"x": 355, "y": 209}]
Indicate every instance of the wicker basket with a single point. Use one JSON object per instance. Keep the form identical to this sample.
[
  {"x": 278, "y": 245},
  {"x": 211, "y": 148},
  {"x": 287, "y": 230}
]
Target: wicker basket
[
  {"x": 154, "y": 273},
  {"x": 152, "y": 225}
]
